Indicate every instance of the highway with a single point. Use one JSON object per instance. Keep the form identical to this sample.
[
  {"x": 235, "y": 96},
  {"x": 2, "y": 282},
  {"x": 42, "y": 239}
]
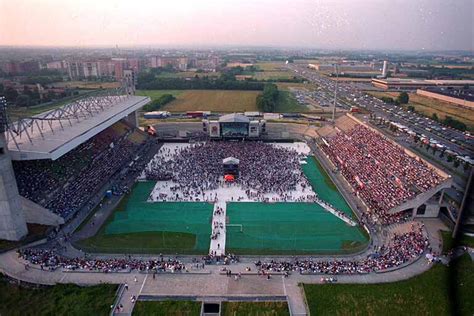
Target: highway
[{"x": 349, "y": 94}]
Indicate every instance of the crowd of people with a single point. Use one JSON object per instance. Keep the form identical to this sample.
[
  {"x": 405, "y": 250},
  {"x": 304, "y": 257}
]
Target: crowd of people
[
  {"x": 401, "y": 249},
  {"x": 65, "y": 185},
  {"x": 50, "y": 260},
  {"x": 263, "y": 168},
  {"x": 380, "y": 172}
]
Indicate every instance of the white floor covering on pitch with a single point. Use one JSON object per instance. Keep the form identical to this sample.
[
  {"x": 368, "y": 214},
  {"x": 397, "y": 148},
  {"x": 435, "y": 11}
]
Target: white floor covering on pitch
[{"x": 228, "y": 192}]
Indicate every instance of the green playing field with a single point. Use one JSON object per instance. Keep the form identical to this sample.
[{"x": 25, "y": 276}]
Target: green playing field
[
  {"x": 164, "y": 219},
  {"x": 256, "y": 228}
]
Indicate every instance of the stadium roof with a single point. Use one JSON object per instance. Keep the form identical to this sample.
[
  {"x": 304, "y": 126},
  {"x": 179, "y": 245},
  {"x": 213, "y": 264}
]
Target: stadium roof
[
  {"x": 234, "y": 118},
  {"x": 54, "y": 133}
]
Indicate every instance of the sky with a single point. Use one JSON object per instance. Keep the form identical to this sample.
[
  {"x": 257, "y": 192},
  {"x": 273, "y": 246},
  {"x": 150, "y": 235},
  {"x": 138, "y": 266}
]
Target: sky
[{"x": 324, "y": 24}]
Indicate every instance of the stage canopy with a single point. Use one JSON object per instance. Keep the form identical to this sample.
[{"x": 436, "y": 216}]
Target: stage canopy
[{"x": 231, "y": 161}]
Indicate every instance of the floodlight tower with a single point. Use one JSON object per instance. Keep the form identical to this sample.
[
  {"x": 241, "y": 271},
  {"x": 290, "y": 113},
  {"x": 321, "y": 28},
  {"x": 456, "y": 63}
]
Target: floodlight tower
[
  {"x": 384, "y": 69},
  {"x": 335, "y": 93},
  {"x": 12, "y": 219}
]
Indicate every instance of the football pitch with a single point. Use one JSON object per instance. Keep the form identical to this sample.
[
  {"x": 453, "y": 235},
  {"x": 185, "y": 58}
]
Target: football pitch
[{"x": 139, "y": 226}]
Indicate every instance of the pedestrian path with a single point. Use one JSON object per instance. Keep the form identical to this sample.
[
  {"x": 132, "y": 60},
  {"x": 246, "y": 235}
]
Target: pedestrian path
[
  {"x": 132, "y": 289},
  {"x": 296, "y": 302},
  {"x": 218, "y": 227},
  {"x": 336, "y": 213}
]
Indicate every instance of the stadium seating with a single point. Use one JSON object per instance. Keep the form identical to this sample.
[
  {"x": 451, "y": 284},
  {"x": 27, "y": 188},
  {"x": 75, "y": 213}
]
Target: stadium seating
[
  {"x": 380, "y": 172},
  {"x": 64, "y": 185}
]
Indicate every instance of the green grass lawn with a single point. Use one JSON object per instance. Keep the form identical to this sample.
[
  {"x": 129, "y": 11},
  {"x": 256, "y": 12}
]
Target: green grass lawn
[
  {"x": 255, "y": 309},
  {"x": 286, "y": 102},
  {"x": 56, "y": 300},
  {"x": 167, "y": 308},
  {"x": 142, "y": 242},
  {"x": 137, "y": 226},
  {"x": 449, "y": 242},
  {"x": 440, "y": 291},
  {"x": 155, "y": 94},
  {"x": 35, "y": 232}
]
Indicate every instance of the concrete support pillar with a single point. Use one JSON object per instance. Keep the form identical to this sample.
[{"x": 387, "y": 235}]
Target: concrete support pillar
[
  {"x": 132, "y": 119},
  {"x": 441, "y": 197},
  {"x": 12, "y": 219}
]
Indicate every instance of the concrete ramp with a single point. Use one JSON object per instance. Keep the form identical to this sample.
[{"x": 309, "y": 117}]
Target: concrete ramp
[
  {"x": 422, "y": 198},
  {"x": 36, "y": 214}
]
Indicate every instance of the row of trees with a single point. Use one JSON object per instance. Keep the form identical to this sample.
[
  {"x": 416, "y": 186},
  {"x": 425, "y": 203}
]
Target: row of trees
[
  {"x": 158, "y": 103},
  {"x": 450, "y": 121},
  {"x": 266, "y": 102},
  {"x": 198, "y": 83},
  {"x": 29, "y": 97},
  {"x": 403, "y": 98}
]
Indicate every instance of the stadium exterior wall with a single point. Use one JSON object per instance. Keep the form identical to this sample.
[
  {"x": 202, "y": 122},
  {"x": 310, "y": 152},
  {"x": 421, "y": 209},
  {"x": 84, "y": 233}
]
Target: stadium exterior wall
[{"x": 12, "y": 220}]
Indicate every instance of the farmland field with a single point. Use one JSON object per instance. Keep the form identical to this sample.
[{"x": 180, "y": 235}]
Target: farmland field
[
  {"x": 266, "y": 75},
  {"x": 214, "y": 100},
  {"x": 270, "y": 66},
  {"x": 155, "y": 94}
]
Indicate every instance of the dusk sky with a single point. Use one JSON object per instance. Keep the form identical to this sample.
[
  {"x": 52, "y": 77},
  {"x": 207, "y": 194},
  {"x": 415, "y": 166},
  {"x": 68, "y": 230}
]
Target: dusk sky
[{"x": 333, "y": 24}]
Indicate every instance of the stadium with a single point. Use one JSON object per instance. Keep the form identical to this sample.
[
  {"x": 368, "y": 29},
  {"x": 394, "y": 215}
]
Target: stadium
[{"x": 241, "y": 199}]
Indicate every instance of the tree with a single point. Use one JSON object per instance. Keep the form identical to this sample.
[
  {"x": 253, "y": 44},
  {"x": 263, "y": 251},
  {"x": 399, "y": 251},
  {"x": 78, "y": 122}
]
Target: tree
[
  {"x": 435, "y": 117},
  {"x": 23, "y": 100},
  {"x": 11, "y": 94},
  {"x": 411, "y": 108},
  {"x": 266, "y": 102},
  {"x": 403, "y": 98},
  {"x": 456, "y": 163}
]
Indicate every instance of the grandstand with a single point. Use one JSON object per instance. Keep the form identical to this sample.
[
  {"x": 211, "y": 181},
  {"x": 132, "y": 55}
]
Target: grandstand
[
  {"x": 391, "y": 181},
  {"x": 52, "y": 134},
  {"x": 63, "y": 157}
]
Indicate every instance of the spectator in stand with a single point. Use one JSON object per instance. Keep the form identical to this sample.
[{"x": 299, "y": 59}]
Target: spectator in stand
[{"x": 381, "y": 173}]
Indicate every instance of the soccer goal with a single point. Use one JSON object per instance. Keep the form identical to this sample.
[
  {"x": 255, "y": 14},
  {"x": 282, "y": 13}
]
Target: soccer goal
[{"x": 237, "y": 225}]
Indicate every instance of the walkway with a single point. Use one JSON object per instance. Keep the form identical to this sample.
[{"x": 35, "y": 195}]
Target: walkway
[
  {"x": 218, "y": 227},
  {"x": 133, "y": 287},
  {"x": 336, "y": 213}
]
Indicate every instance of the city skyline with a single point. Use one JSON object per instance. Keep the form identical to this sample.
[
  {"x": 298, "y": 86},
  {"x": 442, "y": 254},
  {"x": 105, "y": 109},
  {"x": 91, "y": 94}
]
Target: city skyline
[{"x": 324, "y": 24}]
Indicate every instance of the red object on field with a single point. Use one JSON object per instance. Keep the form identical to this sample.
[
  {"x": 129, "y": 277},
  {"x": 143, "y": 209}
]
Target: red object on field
[
  {"x": 151, "y": 130},
  {"x": 229, "y": 178}
]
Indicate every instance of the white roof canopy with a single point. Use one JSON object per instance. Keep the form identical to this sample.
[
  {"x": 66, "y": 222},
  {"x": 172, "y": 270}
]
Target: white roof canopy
[{"x": 230, "y": 161}]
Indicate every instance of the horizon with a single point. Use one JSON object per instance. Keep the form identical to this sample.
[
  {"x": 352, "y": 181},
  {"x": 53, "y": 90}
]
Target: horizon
[{"x": 418, "y": 25}]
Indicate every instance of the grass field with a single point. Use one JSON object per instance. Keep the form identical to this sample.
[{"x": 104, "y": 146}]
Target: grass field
[
  {"x": 286, "y": 102},
  {"x": 428, "y": 106},
  {"x": 56, "y": 300},
  {"x": 155, "y": 94},
  {"x": 35, "y": 232},
  {"x": 137, "y": 226},
  {"x": 214, "y": 100},
  {"x": 272, "y": 75},
  {"x": 167, "y": 308},
  {"x": 448, "y": 241},
  {"x": 440, "y": 291},
  {"x": 287, "y": 86},
  {"x": 270, "y": 66},
  {"x": 255, "y": 309},
  {"x": 295, "y": 228}
]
